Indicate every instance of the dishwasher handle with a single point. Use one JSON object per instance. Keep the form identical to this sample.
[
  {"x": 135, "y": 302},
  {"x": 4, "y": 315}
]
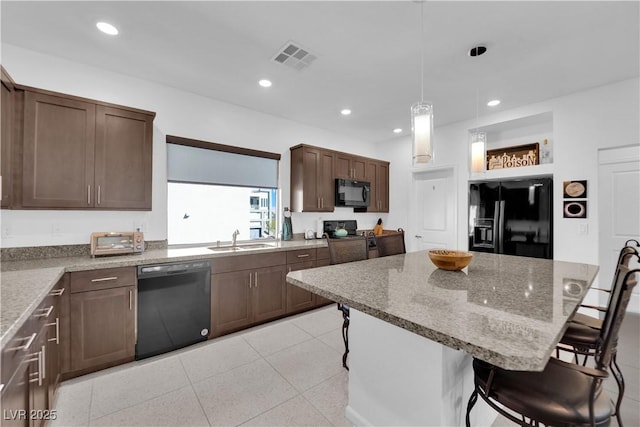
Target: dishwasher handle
[{"x": 150, "y": 271}]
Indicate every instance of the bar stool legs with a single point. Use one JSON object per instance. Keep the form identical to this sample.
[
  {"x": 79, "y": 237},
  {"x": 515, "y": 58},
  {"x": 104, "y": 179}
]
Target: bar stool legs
[{"x": 345, "y": 333}]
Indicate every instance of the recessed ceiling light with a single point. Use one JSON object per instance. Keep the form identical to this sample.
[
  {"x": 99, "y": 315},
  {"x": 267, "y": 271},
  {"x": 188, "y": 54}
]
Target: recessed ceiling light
[
  {"x": 345, "y": 112},
  {"x": 265, "y": 83},
  {"x": 397, "y": 130},
  {"x": 493, "y": 102},
  {"x": 107, "y": 28}
]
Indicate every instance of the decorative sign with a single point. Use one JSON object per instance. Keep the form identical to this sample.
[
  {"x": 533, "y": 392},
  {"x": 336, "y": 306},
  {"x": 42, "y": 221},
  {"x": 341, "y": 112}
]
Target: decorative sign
[{"x": 513, "y": 157}]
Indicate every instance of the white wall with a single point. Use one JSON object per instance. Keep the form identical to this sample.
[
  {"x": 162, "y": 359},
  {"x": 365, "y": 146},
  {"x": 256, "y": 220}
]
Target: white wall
[
  {"x": 177, "y": 113},
  {"x": 607, "y": 116}
]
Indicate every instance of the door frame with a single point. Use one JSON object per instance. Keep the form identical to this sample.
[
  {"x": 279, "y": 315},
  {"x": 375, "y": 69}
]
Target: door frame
[
  {"x": 608, "y": 156},
  {"x": 432, "y": 173}
]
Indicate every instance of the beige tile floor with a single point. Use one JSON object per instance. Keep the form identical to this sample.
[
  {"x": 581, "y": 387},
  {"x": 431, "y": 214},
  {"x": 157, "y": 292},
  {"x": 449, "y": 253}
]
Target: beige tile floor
[{"x": 285, "y": 373}]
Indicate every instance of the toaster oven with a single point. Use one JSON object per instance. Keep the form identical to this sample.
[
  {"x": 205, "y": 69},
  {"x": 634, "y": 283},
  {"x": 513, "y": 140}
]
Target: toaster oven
[{"x": 117, "y": 243}]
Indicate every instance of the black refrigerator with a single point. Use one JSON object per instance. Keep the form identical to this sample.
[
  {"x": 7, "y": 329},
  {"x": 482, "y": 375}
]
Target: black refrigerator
[{"x": 512, "y": 217}]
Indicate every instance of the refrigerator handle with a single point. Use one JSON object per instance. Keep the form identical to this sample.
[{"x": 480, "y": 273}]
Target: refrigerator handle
[
  {"x": 496, "y": 229},
  {"x": 501, "y": 228}
]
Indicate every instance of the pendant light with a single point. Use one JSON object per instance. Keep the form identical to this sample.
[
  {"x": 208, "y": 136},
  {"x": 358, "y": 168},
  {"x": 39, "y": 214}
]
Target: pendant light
[
  {"x": 478, "y": 143},
  {"x": 478, "y": 139},
  {"x": 422, "y": 112}
]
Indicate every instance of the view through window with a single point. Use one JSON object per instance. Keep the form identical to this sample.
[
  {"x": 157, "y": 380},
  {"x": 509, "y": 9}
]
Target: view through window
[{"x": 206, "y": 213}]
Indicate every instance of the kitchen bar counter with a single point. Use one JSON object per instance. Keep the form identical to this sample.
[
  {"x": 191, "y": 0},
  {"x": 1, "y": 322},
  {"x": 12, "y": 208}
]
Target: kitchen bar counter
[
  {"x": 509, "y": 311},
  {"x": 24, "y": 284}
]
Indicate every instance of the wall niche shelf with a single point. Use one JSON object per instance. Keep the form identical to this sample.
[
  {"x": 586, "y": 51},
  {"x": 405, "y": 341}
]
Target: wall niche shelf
[{"x": 519, "y": 131}]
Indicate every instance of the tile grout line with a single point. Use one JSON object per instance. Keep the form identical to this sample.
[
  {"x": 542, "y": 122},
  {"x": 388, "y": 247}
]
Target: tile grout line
[{"x": 194, "y": 391}]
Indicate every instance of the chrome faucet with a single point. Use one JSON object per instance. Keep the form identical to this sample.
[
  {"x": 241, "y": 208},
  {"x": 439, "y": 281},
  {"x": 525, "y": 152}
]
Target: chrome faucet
[{"x": 235, "y": 236}]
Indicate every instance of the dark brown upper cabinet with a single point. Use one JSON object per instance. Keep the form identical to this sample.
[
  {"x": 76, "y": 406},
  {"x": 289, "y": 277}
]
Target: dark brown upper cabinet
[
  {"x": 76, "y": 153},
  {"x": 7, "y": 123},
  {"x": 314, "y": 171}
]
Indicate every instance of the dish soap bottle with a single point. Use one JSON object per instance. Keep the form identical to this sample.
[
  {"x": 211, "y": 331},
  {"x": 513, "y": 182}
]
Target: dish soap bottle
[{"x": 287, "y": 228}]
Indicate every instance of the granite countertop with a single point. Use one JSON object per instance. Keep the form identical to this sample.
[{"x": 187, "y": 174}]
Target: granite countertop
[
  {"x": 24, "y": 284},
  {"x": 509, "y": 311}
]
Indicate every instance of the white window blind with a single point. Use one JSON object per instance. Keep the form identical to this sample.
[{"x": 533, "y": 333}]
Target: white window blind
[{"x": 203, "y": 166}]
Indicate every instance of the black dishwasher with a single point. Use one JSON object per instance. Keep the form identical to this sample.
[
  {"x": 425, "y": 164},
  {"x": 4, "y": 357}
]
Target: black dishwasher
[{"x": 174, "y": 306}]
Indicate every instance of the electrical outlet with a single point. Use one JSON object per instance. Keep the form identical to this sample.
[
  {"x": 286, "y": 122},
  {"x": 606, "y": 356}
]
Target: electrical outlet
[
  {"x": 138, "y": 226},
  {"x": 583, "y": 229}
]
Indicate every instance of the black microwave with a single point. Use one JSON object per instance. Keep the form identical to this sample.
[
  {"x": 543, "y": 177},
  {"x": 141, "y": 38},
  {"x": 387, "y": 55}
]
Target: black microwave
[{"x": 351, "y": 193}]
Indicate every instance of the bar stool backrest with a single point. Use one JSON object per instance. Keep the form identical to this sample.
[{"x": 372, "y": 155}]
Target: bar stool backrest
[{"x": 348, "y": 249}]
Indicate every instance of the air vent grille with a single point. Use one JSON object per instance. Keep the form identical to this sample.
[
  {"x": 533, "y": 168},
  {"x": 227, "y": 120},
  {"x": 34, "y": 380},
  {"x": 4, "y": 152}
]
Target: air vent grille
[{"x": 294, "y": 56}]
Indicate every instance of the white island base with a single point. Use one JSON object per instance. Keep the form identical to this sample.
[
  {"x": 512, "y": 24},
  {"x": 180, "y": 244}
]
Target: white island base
[{"x": 398, "y": 378}]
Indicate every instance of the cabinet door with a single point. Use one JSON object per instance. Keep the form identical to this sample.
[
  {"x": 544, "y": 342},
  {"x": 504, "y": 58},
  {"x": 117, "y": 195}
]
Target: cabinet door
[
  {"x": 102, "y": 327},
  {"x": 230, "y": 301},
  {"x": 359, "y": 168},
  {"x": 318, "y": 182},
  {"x": 54, "y": 340},
  {"x": 372, "y": 177},
  {"x": 58, "y": 152},
  {"x": 38, "y": 381},
  {"x": 299, "y": 299},
  {"x": 7, "y": 123},
  {"x": 269, "y": 293},
  {"x": 343, "y": 166},
  {"x": 15, "y": 398},
  {"x": 123, "y": 159},
  {"x": 326, "y": 182},
  {"x": 382, "y": 187}
]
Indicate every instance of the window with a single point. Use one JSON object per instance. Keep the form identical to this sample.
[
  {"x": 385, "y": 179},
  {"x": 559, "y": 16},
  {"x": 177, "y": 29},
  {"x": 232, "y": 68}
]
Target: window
[{"x": 213, "y": 190}]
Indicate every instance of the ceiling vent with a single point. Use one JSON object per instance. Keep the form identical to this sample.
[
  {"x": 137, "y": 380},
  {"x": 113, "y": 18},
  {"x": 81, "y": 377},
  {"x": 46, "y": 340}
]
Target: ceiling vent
[{"x": 294, "y": 56}]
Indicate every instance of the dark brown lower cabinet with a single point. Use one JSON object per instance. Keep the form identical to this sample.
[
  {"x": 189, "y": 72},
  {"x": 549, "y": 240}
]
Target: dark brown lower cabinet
[
  {"x": 102, "y": 327},
  {"x": 299, "y": 299},
  {"x": 15, "y": 398},
  {"x": 242, "y": 298},
  {"x": 230, "y": 301}
]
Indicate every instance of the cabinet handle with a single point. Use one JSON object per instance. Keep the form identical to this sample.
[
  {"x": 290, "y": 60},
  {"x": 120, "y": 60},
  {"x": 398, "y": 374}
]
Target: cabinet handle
[
  {"x": 57, "y": 325},
  {"x": 318, "y": 202},
  {"x": 288, "y": 269},
  {"x": 130, "y": 300},
  {"x": 104, "y": 279},
  {"x": 57, "y": 292},
  {"x": 40, "y": 372},
  {"x": 303, "y": 256},
  {"x": 98, "y": 194},
  {"x": 88, "y": 194},
  {"x": 43, "y": 364},
  {"x": 45, "y": 312},
  {"x": 256, "y": 280},
  {"x": 26, "y": 345},
  {"x": 250, "y": 279},
  {"x": 322, "y": 202}
]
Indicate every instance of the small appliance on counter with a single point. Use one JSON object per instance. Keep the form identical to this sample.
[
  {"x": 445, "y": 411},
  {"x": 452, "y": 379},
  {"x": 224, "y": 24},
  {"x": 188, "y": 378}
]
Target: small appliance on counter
[
  {"x": 309, "y": 234},
  {"x": 116, "y": 243}
]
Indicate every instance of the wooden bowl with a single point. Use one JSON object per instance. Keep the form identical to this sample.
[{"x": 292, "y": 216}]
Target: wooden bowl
[{"x": 447, "y": 259}]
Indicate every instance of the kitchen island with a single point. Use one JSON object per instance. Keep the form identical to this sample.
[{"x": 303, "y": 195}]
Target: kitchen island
[{"x": 509, "y": 311}]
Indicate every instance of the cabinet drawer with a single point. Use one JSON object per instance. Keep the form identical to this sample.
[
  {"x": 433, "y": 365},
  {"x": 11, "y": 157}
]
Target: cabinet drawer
[
  {"x": 93, "y": 280},
  {"x": 301, "y": 255},
  {"x": 247, "y": 262}
]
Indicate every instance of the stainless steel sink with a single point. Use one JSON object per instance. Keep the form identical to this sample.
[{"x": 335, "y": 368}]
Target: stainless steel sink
[{"x": 239, "y": 247}]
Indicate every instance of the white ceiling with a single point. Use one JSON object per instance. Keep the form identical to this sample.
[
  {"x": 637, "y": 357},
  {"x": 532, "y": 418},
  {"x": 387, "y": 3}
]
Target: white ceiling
[{"x": 368, "y": 52}]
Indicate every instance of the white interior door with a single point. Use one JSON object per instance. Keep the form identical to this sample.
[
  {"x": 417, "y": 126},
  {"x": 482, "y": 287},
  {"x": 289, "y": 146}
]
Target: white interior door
[
  {"x": 434, "y": 210},
  {"x": 619, "y": 211}
]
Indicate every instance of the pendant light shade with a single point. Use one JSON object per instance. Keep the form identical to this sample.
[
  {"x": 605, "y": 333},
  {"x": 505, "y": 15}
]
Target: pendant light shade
[
  {"x": 478, "y": 151},
  {"x": 422, "y": 129},
  {"x": 422, "y": 112}
]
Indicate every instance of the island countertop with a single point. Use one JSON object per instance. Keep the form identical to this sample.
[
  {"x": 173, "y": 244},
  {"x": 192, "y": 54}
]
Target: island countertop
[{"x": 509, "y": 311}]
